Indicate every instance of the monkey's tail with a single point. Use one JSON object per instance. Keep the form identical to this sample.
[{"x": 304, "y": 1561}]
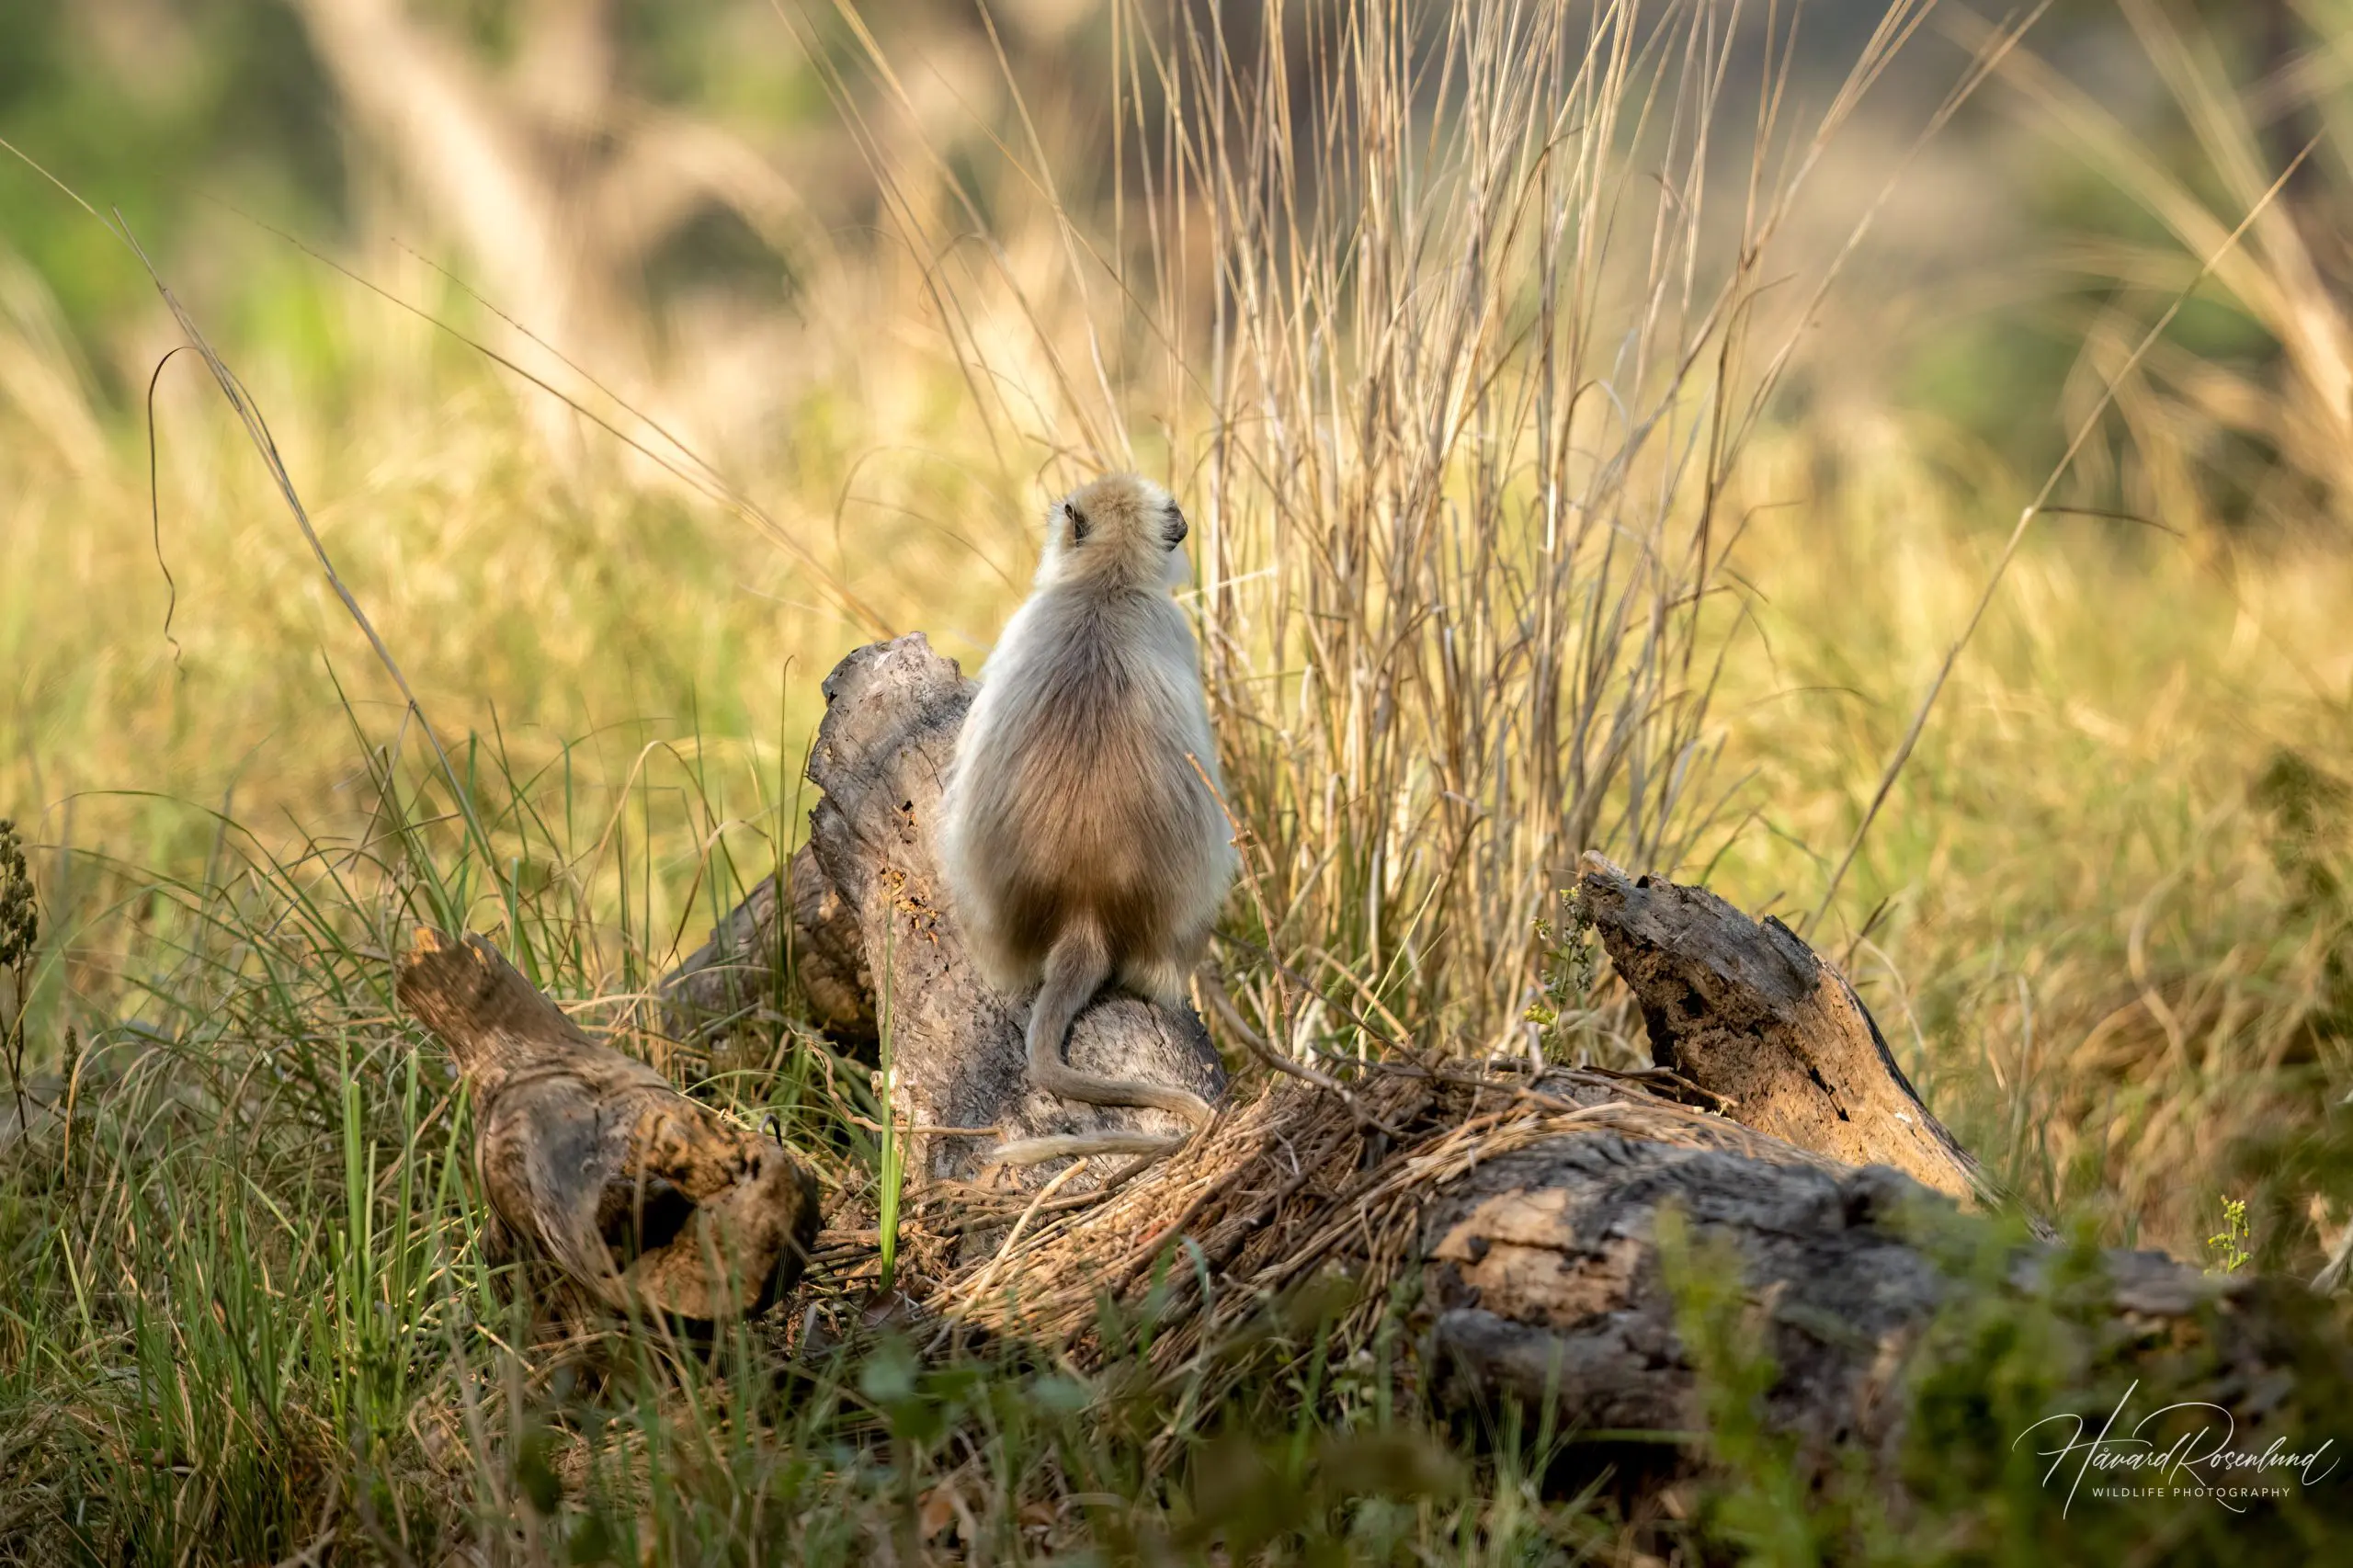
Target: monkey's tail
[
  {"x": 1069, "y": 1145},
  {"x": 1075, "y": 970}
]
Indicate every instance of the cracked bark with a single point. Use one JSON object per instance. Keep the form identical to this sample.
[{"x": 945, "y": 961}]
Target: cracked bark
[{"x": 1746, "y": 1011}]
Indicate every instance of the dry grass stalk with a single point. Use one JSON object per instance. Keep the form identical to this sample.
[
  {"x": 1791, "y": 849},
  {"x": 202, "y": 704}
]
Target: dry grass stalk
[{"x": 1457, "y": 396}]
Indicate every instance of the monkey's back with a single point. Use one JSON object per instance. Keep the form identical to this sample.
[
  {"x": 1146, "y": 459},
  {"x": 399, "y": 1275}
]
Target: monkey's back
[{"x": 1074, "y": 797}]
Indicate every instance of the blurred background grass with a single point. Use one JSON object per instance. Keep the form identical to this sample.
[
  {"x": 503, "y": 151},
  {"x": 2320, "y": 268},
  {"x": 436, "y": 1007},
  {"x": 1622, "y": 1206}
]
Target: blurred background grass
[{"x": 2102, "y": 914}]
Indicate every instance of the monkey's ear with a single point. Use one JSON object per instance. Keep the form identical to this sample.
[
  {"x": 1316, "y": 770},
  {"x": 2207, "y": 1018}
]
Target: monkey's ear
[{"x": 1078, "y": 524}]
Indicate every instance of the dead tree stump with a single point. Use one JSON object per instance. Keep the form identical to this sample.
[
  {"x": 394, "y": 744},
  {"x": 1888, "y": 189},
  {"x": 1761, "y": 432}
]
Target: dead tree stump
[
  {"x": 1747, "y": 1012},
  {"x": 866, "y": 903}
]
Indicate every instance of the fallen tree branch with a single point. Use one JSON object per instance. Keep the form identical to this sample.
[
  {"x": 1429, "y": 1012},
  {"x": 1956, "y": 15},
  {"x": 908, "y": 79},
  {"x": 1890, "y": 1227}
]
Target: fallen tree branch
[
  {"x": 594, "y": 1164},
  {"x": 740, "y": 973}
]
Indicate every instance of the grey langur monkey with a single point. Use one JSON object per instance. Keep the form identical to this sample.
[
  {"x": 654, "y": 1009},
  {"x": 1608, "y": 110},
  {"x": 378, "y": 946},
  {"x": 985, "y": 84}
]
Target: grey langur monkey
[{"x": 1081, "y": 833}]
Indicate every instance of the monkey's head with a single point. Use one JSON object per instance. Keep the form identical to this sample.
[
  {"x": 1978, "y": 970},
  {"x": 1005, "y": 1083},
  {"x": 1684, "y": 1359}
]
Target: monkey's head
[{"x": 1120, "y": 531}]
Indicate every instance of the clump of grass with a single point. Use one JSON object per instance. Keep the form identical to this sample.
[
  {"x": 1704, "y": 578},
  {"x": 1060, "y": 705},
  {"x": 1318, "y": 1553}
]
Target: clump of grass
[{"x": 2242, "y": 416}]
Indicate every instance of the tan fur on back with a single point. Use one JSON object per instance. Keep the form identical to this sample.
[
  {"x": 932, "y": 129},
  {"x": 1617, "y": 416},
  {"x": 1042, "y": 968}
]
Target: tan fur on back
[{"x": 1072, "y": 798}]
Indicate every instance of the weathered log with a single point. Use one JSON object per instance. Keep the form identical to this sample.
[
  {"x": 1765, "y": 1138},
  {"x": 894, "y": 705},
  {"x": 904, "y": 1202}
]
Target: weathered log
[
  {"x": 730, "y": 980},
  {"x": 1545, "y": 1280},
  {"x": 1748, "y": 1013},
  {"x": 1554, "y": 1239},
  {"x": 595, "y": 1163},
  {"x": 892, "y": 715}
]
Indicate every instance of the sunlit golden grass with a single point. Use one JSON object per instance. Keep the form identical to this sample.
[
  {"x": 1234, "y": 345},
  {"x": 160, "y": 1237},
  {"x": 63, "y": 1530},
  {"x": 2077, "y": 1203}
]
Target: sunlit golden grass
[
  {"x": 2072, "y": 845},
  {"x": 1508, "y": 549},
  {"x": 2074, "y": 909},
  {"x": 2087, "y": 777}
]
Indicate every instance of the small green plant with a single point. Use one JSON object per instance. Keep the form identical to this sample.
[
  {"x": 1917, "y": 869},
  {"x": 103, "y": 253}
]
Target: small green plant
[
  {"x": 1765, "y": 1511},
  {"x": 890, "y": 1170},
  {"x": 2229, "y": 1245},
  {"x": 20, "y": 930},
  {"x": 1568, "y": 968}
]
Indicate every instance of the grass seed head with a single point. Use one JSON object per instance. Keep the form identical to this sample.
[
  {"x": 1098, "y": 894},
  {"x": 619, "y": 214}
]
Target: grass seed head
[{"x": 19, "y": 917}]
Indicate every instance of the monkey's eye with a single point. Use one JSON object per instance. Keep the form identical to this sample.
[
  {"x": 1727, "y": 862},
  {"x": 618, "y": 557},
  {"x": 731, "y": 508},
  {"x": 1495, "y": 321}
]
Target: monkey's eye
[
  {"x": 1176, "y": 529},
  {"x": 1078, "y": 524}
]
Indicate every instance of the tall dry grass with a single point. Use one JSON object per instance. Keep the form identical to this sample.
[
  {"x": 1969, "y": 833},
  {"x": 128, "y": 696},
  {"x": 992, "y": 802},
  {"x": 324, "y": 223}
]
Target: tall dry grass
[
  {"x": 1453, "y": 323},
  {"x": 2249, "y": 418}
]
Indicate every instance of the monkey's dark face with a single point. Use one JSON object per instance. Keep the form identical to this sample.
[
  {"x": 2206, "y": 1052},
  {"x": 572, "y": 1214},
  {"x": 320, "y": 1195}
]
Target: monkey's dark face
[{"x": 1119, "y": 530}]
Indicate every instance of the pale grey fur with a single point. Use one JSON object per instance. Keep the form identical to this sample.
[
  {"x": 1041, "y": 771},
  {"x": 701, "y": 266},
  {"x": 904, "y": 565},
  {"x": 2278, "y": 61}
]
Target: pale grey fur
[{"x": 1080, "y": 843}]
